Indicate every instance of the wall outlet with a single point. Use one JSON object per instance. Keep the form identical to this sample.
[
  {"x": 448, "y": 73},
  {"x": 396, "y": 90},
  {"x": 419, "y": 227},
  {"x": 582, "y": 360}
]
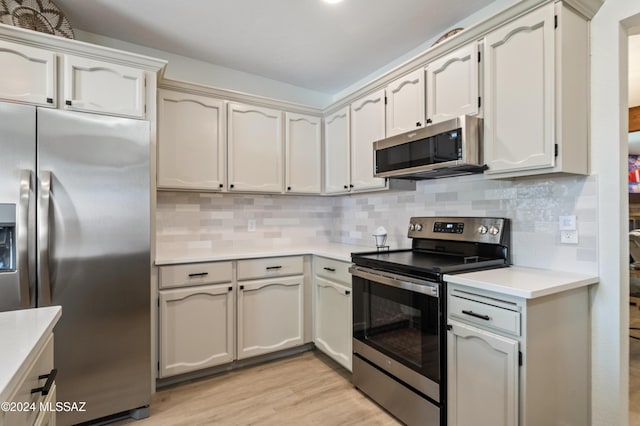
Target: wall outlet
[
  {"x": 569, "y": 237},
  {"x": 251, "y": 225}
]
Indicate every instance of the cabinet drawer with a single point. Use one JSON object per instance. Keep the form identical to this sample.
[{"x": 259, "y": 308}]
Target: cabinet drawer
[
  {"x": 270, "y": 267},
  {"x": 42, "y": 365},
  {"x": 485, "y": 315},
  {"x": 333, "y": 269},
  {"x": 195, "y": 274}
]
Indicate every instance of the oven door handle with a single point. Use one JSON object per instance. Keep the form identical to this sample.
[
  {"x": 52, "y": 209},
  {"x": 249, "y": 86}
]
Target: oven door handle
[{"x": 419, "y": 286}]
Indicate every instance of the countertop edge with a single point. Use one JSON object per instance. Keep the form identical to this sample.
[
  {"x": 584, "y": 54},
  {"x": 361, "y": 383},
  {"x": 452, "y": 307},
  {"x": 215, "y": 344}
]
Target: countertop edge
[{"x": 19, "y": 372}]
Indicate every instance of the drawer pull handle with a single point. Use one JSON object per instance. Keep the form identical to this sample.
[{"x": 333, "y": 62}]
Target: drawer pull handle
[
  {"x": 273, "y": 267},
  {"x": 473, "y": 314},
  {"x": 329, "y": 269},
  {"x": 199, "y": 274},
  {"x": 347, "y": 292},
  {"x": 47, "y": 385}
]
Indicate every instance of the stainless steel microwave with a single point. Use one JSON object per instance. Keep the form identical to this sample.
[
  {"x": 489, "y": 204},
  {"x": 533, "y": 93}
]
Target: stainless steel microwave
[{"x": 448, "y": 148}]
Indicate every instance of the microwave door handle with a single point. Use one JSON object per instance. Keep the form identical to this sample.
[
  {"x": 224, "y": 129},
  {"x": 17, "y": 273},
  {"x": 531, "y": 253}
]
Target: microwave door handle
[
  {"x": 23, "y": 237},
  {"x": 43, "y": 237}
]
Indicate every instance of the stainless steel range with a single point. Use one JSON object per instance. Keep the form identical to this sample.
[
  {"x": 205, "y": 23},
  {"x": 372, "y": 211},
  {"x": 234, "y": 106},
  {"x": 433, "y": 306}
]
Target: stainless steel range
[{"x": 399, "y": 311}]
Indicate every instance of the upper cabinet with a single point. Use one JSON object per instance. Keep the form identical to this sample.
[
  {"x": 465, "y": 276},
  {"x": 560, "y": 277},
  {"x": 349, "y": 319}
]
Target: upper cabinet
[
  {"x": 453, "y": 85},
  {"x": 336, "y": 152},
  {"x": 303, "y": 154},
  {"x": 96, "y": 86},
  {"x": 191, "y": 152},
  {"x": 367, "y": 126},
  {"x": 405, "y": 103},
  {"x": 28, "y": 74},
  {"x": 536, "y": 93},
  {"x": 255, "y": 148}
]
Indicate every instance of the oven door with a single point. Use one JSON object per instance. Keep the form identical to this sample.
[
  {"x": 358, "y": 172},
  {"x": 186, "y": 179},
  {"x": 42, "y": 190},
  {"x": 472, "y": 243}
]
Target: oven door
[{"x": 397, "y": 327}]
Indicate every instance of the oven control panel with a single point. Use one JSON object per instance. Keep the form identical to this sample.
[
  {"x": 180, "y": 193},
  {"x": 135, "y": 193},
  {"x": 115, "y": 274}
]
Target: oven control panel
[{"x": 474, "y": 229}]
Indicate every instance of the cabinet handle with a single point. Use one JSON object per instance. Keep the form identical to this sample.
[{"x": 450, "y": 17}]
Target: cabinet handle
[
  {"x": 230, "y": 288},
  {"x": 418, "y": 124},
  {"x": 241, "y": 287},
  {"x": 231, "y": 186},
  {"x": 199, "y": 274},
  {"x": 49, "y": 100},
  {"x": 346, "y": 187},
  {"x": 329, "y": 269},
  {"x": 473, "y": 314},
  {"x": 288, "y": 188},
  {"x": 273, "y": 267},
  {"x": 347, "y": 292},
  {"x": 44, "y": 390},
  {"x": 221, "y": 186},
  {"x": 429, "y": 121},
  {"x": 68, "y": 103},
  {"x": 351, "y": 186}
]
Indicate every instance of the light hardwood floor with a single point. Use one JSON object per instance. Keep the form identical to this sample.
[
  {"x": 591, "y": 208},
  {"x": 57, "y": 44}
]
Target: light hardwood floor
[
  {"x": 306, "y": 389},
  {"x": 634, "y": 366}
]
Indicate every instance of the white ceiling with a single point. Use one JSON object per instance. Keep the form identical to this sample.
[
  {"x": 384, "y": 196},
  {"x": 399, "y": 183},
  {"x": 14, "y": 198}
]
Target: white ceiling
[{"x": 307, "y": 43}]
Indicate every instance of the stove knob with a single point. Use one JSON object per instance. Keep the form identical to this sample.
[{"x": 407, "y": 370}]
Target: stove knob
[
  {"x": 494, "y": 230},
  {"x": 412, "y": 227},
  {"x": 482, "y": 229},
  {"x": 418, "y": 227}
]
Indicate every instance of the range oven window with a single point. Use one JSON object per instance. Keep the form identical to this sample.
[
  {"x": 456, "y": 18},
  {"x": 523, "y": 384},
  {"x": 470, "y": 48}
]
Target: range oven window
[
  {"x": 402, "y": 324},
  {"x": 440, "y": 148}
]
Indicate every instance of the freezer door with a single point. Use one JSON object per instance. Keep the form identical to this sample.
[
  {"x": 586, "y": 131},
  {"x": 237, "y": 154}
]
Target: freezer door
[
  {"x": 17, "y": 206},
  {"x": 94, "y": 258}
]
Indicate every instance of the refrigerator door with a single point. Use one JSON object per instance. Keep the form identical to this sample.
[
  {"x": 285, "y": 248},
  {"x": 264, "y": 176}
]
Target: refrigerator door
[
  {"x": 17, "y": 206},
  {"x": 94, "y": 257}
]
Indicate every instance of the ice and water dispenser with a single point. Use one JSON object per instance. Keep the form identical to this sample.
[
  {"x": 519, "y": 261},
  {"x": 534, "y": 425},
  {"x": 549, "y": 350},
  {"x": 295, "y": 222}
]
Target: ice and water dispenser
[{"x": 7, "y": 237}]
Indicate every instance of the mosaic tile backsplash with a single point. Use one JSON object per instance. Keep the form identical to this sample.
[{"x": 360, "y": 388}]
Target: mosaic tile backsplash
[{"x": 193, "y": 220}]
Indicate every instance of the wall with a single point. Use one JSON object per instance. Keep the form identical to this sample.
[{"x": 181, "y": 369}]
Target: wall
[{"x": 220, "y": 220}]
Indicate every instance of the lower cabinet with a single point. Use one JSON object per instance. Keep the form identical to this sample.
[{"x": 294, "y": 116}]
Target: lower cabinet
[
  {"x": 197, "y": 328},
  {"x": 333, "y": 321},
  {"x": 270, "y": 315},
  {"x": 487, "y": 395}
]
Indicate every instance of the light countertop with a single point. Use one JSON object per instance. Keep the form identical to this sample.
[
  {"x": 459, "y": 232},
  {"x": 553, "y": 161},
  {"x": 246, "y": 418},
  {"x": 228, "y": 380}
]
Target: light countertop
[
  {"x": 22, "y": 332},
  {"x": 527, "y": 283},
  {"x": 331, "y": 250}
]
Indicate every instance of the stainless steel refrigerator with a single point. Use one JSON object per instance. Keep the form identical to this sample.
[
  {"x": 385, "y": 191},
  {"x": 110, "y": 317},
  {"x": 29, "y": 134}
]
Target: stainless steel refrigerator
[{"x": 75, "y": 232}]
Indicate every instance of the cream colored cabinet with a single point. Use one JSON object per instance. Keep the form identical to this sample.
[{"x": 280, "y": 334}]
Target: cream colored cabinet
[
  {"x": 482, "y": 377},
  {"x": 191, "y": 148},
  {"x": 255, "y": 149},
  {"x": 28, "y": 74},
  {"x": 517, "y": 361},
  {"x": 406, "y": 103},
  {"x": 536, "y": 94},
  {"x": 453, "y": 85},
  {"x": 337, "y": 152},
  {"x": 96, "y": 86},
  {"x": 197, "y": 311},
  {"x": 367, "y": 126},
  {"x": 197, "y": 328},
  {"x": 332, "y": 301},
  {"x": 33, "y": 390},
  {"x": 303, "y": 154},
  {"x": 47, "y": 417},
  {"x": 270, "y": 307}
]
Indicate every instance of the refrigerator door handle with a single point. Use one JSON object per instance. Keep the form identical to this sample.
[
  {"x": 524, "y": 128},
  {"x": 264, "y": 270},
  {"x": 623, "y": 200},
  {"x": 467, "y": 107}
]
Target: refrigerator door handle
[
  {"x": 43, "y": 238},
  {"x": 23, "y": 237}
]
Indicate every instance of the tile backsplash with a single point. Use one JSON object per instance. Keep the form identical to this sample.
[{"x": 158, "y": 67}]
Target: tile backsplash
[{"x": 193, "y": 220}]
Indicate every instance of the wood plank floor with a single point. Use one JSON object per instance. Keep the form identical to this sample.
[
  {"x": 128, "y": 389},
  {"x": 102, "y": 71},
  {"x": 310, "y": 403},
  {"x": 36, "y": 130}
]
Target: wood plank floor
[
  {"x": 306, "y": 389},
  {"x": 634, "y": 366}
]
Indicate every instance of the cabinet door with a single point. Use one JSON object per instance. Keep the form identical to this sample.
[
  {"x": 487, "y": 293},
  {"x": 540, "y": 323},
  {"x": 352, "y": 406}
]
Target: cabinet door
[
  {"x": 96, "y": 86},
  {"x": 270, "y": 315},
  {"x": 28, "y": 74},
  {"x": 196, "y": 328},
  {"x": 452, "y": 84},
  {"x": 482, "y": 377},
  {"x": 336, "y": 152},
  {"x": 333, "y": 320},
  {"x": 367, "y": 126},
  {"x": 519, "y": 94},
  {"x": 190, "y": 141},
  {"x": 255, "y": 148},
  {"x": 405, "y": 104},
  {"x": 303, "y": 153}
]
